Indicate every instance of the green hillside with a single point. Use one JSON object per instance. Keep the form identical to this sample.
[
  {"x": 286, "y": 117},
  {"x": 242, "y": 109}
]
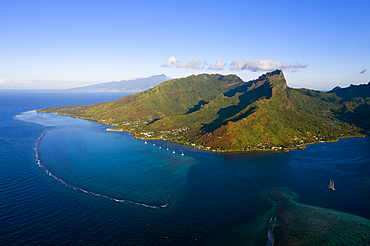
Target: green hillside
[{"x": 223, "y": 113}]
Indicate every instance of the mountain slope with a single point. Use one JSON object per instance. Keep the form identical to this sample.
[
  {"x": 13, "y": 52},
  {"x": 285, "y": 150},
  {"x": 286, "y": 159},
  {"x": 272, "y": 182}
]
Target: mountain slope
[
  {"x": 355, "y": 104},
  {"x": 224, "y": 113},
  {"x": 126, "y": 85},
  {"x": 353, "y": 92}
]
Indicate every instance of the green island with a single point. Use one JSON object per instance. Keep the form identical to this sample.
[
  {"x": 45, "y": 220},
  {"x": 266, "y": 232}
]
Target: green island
[{"x": 224, "y": 113}]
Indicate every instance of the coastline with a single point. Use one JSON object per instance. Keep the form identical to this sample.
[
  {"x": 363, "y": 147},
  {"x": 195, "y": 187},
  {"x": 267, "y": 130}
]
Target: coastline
[
  {"x": 272, "y": 149},
  {"x": 49, "y": 173},
  {"x": 304, "y": 208},
  {"x": 205, "y": 148}
]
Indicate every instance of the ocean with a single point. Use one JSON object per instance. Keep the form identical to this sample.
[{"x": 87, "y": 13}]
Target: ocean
[{"x": 69, "y": 181}]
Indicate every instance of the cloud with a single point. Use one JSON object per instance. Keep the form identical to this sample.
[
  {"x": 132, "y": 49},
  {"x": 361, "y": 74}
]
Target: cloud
[
  {"x": 242, "y": 64},
  {"x": 264, "y": 65},
  {"x": 195, "y": 64},
  {"x": 6, "y": 81},
  {"x": 363, "y": 71},
  {"x": 12, "y": 83},
  {"x": 218, "y": 66},
  {"x": 170, "y": 62}
]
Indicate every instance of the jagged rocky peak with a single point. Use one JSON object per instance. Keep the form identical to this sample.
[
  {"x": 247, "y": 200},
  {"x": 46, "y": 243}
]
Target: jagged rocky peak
[
  {"x": 270, "y": 74},
  {"x": 337, "y": 88},
  {"x": 275, "y": 79}
]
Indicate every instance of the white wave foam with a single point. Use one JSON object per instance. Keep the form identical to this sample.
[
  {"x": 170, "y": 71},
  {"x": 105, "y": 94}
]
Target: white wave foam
[
  {"x": 270, "y": 233},
  {"x": 38, "y": 161},
  {"x": 16, "y": 117}
]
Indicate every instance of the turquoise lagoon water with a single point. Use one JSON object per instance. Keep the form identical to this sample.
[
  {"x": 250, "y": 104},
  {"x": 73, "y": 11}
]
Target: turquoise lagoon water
[{"x": 69, "y": 181}]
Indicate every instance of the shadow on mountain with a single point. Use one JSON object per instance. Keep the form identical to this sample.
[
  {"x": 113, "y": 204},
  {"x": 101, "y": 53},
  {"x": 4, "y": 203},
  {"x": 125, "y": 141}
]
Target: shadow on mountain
[
  {"x": 352, "y": 92},
  {"x": 239, "y": 111},
  {"x": 358, "y": 116},
  {"x": 151, "y": 122},
  {"x": 239, "y": 89},
  {"x": 197, "y": 107}
]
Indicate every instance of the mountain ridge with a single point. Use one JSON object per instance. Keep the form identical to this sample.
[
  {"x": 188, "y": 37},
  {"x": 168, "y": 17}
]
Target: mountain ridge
[
  {"x": 131, "y": 85},
  {"x": 224, "y": 113}
]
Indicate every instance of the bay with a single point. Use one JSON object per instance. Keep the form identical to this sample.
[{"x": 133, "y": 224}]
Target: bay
[{"x": 98, "y": 187}]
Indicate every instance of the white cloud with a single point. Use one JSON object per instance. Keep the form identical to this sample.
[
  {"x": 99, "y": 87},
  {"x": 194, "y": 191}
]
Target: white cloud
[
  {"x": 11, "y": 83},
  {"x": 264, "y": 65},
  {"x": 242, "y": 64},
  {"x": 218, "y": 66},
  {"x": 170, "y": 62},
  {"x": 195, "y": 64},
  {"x": 6, "y": 81}
]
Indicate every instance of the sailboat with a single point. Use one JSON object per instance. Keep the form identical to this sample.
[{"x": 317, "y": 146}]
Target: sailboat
[{"x": 331, "y": 185}]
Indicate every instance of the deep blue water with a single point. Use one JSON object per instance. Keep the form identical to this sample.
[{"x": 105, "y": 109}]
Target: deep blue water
[{"x": 107, "y": 188}]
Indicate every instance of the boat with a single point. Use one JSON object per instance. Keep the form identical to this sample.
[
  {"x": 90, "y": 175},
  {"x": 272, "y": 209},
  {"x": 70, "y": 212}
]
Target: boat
[
  {"x": 173, "y": 152},
  {"x": 182, "y": 153},
  {"x": 146, "y": 142},
  {"x": 167, "y": 148},
  {"x": 331, "y": 185}
]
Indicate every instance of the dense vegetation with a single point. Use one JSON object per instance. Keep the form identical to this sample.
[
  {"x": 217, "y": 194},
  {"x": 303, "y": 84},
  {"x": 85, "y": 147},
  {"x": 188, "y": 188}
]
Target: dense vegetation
[{"x": 223, "y": 113}]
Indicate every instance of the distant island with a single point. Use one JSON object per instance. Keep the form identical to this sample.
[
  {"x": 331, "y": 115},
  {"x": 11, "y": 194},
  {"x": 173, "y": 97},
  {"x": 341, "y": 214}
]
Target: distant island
[
  {"x": 224, "y": 113},
  {"x": 139, "y": 84}
]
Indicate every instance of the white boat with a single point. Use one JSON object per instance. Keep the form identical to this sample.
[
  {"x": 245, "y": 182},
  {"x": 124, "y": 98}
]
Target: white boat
[
  {"x": 182, "y": 153},
  {"x": 331, "y": 185},
  {"x": 146, "y": 142},
  {"x": 173, "y": 152}
]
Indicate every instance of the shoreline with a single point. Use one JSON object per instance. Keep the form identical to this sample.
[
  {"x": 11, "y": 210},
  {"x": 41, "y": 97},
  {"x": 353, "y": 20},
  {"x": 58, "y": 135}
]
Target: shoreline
[
  {"x": 49, "y": 173},
  {"x": 272, "y": 149},
  {"x": 287, "y": 204},
  {"x": 205, "y": 148}
]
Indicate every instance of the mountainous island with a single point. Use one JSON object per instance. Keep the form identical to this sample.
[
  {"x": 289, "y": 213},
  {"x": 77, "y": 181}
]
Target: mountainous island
[
  {"x": 224, "y": 113},
  {"x": 140, "y": 84}
]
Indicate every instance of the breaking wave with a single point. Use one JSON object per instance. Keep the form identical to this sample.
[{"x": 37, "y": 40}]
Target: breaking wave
[{"x": 38, "y": 161}]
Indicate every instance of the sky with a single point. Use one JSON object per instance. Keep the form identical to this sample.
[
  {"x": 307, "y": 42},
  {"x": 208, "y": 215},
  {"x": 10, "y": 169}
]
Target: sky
[{"x": 64, "y": 44}]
